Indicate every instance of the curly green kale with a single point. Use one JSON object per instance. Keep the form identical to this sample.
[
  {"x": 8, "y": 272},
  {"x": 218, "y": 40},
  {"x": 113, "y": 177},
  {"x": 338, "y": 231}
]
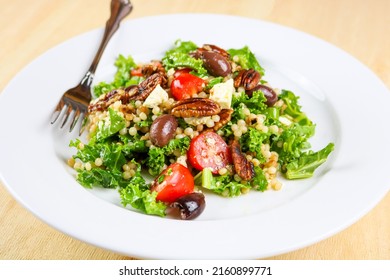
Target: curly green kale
[
  {"x": 137, "y": 194},
  {"x": 179, "y": 57},
  {"x": 246, "y": 59},
  {"x": 158, "y": 156},
  {"x": 122, "y": 76}
]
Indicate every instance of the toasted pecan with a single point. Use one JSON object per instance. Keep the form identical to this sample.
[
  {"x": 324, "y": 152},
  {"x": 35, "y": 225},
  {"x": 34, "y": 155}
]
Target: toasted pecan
[
  {"x": 140, "y": 92},
  {"x": 247, "y": 78},
  {"x": 243, "y": 167},
  {"x": 195, "y": 107},
  {"x": 103, "y": 102},
  {"x": 224, "y": 117},
  {"x": 143, "y": 90},
  {"x": 155, "y": 66}
]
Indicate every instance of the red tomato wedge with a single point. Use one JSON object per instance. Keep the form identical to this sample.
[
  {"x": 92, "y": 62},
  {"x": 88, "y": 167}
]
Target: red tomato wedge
[
  {"x": 185, "y": 85},
  {"x": 209, "y": 150},
  {"x": 173, "y": 182}
]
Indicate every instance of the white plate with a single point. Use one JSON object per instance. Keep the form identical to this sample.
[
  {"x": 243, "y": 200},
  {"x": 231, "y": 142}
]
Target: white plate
[{"x": 346, "y": 100}]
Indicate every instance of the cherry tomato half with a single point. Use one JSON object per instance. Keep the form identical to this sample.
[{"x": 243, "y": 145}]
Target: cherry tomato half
[
  {"x": 209, "y": 150},
  {"x": 136, "y": 72},
  {"x": 181, "y": 71},
  {"x": 173, "y": 182},
  {"x": 185, "y": 85}
]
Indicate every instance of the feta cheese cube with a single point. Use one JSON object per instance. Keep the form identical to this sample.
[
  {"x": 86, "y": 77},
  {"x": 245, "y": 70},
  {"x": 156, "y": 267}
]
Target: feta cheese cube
[
  {"x": 156, "y": 97},
  {"x": 222, "y": 93}
]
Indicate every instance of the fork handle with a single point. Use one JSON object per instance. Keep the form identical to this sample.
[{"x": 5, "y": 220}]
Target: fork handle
[{"x": 119, "y": 10}]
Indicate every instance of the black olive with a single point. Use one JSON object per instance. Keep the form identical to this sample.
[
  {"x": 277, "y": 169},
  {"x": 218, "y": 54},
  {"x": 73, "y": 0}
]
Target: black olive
[
  {"x": 190, "y": 205},
  {"x": 216, "y": 64},
  {"x": 268, "y": 92},
  {"x": 163, "y": 130}
]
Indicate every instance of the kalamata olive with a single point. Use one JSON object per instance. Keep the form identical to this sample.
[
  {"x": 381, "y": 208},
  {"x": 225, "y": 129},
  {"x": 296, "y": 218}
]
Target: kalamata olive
[
  {"x": 268, "y": 92},
  {"x": 216, "y": 49},
  {"x": 163, "y": 130},
  {"x": 190, "y": 205},
  {"x": 216, "y": 64}
]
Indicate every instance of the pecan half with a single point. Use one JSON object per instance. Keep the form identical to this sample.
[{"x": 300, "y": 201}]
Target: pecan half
[
  {"x": 224, "y": 117},
  {"x": 195, "y": 107},
  {"x": 247, "y": 78},
  {"x": 243, "y": 167},
  {"x": 153, "y": 67},
  {"x": 142, "y": 91},
  {"x": 104, "y": 101}
]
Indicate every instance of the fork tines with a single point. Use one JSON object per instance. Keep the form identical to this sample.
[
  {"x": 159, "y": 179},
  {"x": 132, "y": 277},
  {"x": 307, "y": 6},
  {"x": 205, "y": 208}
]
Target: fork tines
[{"x": 72, "y": 111}]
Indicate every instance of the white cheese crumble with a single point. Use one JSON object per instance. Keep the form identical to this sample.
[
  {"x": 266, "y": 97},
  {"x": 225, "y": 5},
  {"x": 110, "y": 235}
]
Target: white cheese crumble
[
  {"x": 156, "y": 97},
  {"x": 222, "y": 93}
]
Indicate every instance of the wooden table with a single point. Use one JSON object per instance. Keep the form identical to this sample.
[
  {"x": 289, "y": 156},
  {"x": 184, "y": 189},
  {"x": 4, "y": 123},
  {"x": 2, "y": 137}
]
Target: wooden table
[{"x": 29, "y": 28}]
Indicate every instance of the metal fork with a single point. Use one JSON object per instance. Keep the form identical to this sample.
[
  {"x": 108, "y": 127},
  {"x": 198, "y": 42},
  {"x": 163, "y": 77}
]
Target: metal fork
[{"x": 76, "y": 100}]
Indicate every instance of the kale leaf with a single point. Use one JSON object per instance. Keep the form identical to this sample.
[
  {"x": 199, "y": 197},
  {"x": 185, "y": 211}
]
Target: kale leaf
[
  {"x": 100, "y": 177},
  {"x": 107, "y": 128},
  {"x": 252, "y": 142},
  {"x": 291, "y": 143},
  {"x": 293, "y": 109},
  {"x": 137, "y": 194},
  {"x": 157, "y": 156},
  {"x": 122, "y": 76},
  {"x": 246, "y": 59},
  {"x": 307, "y": 163},
  {"x": 179, "y": 57}
]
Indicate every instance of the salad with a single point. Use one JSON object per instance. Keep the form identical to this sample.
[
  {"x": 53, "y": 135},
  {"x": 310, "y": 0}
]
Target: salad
[{"x": 199, "y": 120}]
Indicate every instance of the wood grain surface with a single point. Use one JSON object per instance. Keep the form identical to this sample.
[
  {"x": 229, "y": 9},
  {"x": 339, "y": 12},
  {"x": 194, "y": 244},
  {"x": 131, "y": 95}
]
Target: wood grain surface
[{"x": 29, "y": 28}]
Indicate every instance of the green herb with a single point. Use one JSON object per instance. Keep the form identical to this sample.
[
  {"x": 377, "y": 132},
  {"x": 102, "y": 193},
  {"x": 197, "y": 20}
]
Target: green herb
[
  {"x": 132, "y": 148},
  {"x": 182, "y": 47},
  {"x": 181, "y": 144},
  {"x": 110, "y": 153},
  {"x": 107, "y": 128},
  {"x": 293, "y": 109},
  {"x": 222, "y": 185},
  {"x": 246, "y": 59},
  {"x": 146, "y": 123},
  {"x": 255, "y": 103},
  {"x": 137, "y": 194},
  {"x": 291, "y": 143},
  {"x": 98, "y": 177},
  {"x": 307, "y": 163},
  {"x": 156, "y": 160},
  {"x": 272, "y": 116},
  {"x": 177, "y": 60},
  {"x": 88, "y": 153},
  {"x": 226, "y": 186},
  {"x": 161, "y": 179},
  {"x": 158, "y": 156},
  {"x": 252, "y": 142},
  {"x": 259, "y": 181},
  {"x": 179, "y": 57},
  {"x": 122, "y": 76}
]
